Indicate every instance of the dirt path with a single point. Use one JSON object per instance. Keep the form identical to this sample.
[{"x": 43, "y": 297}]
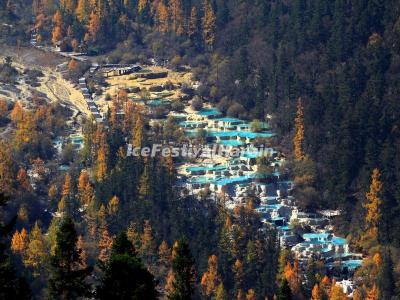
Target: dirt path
[{"x": 56, "y": 88}]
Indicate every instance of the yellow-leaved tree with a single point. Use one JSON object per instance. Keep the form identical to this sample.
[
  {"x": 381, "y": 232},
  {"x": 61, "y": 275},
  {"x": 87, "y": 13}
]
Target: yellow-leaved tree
[
  {"x": 104, "y": 245},
  {"x": 193, "y": 29},
  {"x": 317, "y": 293},
  {"x": 337, "y": 293},
  {"x": 209, "y": 20},
  {"x": 36, "y": 252},
  {"x": 144, "y": 184},
  {"x": 298, "y": 139},
  {"x": 101, "y": 163},
  {"x": 113, "y": 206},
  {"x": 293, "y": 275},
  {"x": 137, "y": 132},
  {"x": 162, "y": 17},
  {"x": 373, "y": 211},
  {"x": 148, "y": 247},
  {"x": 82, "y": 10},
  {"x": 142, "y": 5},
  {"x": 57, "y": 33},
  {"x": 19, "y": 241},
  {"x": 93, "y": 27},
  {"x": 176, "y": 13},
  {"x": 211, "y": 279}
]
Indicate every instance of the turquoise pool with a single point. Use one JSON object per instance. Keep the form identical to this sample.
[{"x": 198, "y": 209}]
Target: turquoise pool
[
  {"x": 205, "y": 168},
  {"x": 316, "y": 236},
  {"x": 209, "y": 112},
  {"x": 233, "y": 143},
  {"x": 350, "y": 264}
]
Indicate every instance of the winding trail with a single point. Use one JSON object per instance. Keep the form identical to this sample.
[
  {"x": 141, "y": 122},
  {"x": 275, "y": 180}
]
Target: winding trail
[{"x": 92, "y": 106}]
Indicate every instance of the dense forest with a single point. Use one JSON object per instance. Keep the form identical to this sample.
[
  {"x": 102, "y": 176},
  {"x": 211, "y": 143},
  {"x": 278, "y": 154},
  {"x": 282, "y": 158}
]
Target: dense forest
[{"x": 324, "y": 73}]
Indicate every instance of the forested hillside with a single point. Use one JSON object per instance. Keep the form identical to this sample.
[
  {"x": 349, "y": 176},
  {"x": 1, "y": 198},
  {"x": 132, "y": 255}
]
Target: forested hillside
[
  {"x": 324, "y": 73},
  {"x": 255, "y": 58}
]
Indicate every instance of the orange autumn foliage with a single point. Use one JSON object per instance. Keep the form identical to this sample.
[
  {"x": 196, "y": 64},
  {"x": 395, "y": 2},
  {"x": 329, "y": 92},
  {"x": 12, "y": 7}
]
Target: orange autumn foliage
[
  {"x": 19, "y": 241},
  {"x": 299, "y": 132},
  {"x": 373, "y": 211},
  {"x": 105, "y": 245},
  {"x": 293, "y": 276},
  {"x": 211, "y": 278}
]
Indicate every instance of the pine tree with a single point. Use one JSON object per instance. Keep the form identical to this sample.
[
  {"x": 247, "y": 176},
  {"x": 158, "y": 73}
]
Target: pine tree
[
  {"x": 67, "y": 278},
  {"x": 358, "y": 294},
  {"x": 142, "y": 5},
  {"x": 251, "y": 295},
  {"x": 102, "y": 9},
  {"x": 66, "y": 205},
  {"x": 337, "y": 293},
  {"x": 23, "y": 180},
  {"x": 101, "y": 164},
  {"x": 22, "y": 215},
  {"x": 148, "y": 246},
  {"x": 19, "y": 241},
  {"x": 238, "y": 273},
  {"x": 317, "y": 293},
  {"x": 57, "y": 19},
  {"x": 16, "y": 242},
  {"x": 26, "y": 133},
  {"x": 51, "y": 234},
  {"x": 93, "y": 28},
  {"x": 83, "y": 180},
  {"x": 67, "y": 5},
  {"x": 36, "y": 252},
  {"x": 57, "y": 33},
  {"x": 102, "y": 219},
  {"x": 66, "y": 190},
  {"x": 37, "y": 7},
  {"x": 284, "y": 257},
  {"x": 80, "y": 244},
  {"x": 194, "y": 28},
  {"x": 293, "y": 276},
  {"x": 299, "y": 132},
  {"x": 113, "y": 206},
  {"x": 124, "y": 276},
  {"x": 211, "y": 278},
  {"x": 3, "y": 108},
  {"x": 11, "y": 287},
  {"x": 133, "y": 235},
  {"x": 208, "y": 24},
  {"x": 372, "y": 294},
  {"x": 70, "y": 35},
  {"x": 138, "y": 132},
  {"x": 176, "y": 13},
  {"x": 284, "y": 292},
  {"x": 144, "y": 183},
  {"x": 373, "y": 214},
  {"x": 7, "y": 169},
  {"x": 183, "y": 272},
  {"x": 325, "y": 285},
  {"x": 162, "y": 17},
  {"x": 164, "y": 262},
  {"x": 221, "y": 293},
  {"x": 169, "y": 285},
  {"x": 105, "y": 244},
  {"x": 385, "y": 280},
  {"x": 164, "y": 253},
  {"x": 168, "y": 162},
  {"x": 88, "y": 197},
  {"x": 82, "y": 10}
]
